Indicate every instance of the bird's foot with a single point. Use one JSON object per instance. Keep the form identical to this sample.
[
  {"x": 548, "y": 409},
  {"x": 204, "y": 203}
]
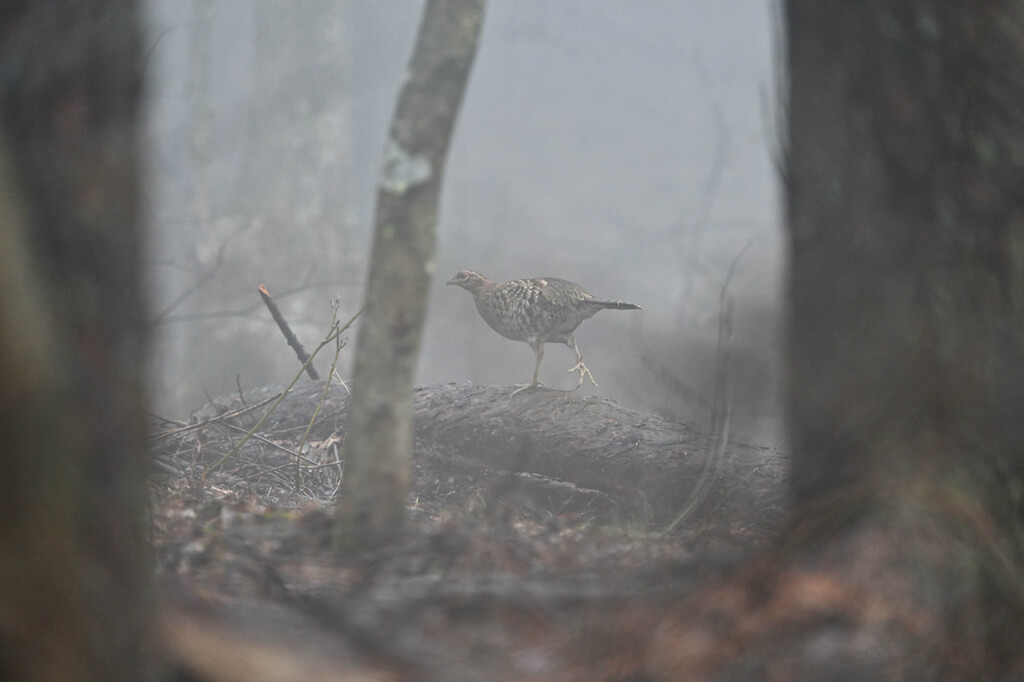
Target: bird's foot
[
  {"x": 523, "y": 387},
  {"x": 584, "y": 372}
]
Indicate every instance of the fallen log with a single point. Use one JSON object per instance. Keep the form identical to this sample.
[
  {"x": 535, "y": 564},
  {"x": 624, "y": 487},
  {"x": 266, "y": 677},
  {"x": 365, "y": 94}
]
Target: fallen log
[
  {"x": 651, "y": 467},
  {"x": 650, "y": 464}
]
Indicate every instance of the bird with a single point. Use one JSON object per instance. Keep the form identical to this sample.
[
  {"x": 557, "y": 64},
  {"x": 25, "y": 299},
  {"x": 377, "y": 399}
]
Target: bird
[{"x": 536, "y": 310}]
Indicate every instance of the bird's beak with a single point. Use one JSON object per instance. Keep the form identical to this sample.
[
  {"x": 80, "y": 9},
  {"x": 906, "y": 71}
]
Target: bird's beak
[{"x": 451, "y": 281}]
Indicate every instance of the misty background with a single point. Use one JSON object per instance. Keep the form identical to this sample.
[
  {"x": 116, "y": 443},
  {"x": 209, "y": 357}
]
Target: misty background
[{"x": 626, "y": 146}]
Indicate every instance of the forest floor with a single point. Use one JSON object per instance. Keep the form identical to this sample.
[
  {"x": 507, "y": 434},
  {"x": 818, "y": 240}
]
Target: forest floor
[{"x": 489, "y": 580}]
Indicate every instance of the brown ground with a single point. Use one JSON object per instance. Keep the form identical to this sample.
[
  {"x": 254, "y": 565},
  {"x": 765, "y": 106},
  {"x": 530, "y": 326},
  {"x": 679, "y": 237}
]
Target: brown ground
[{"x": 498, "y": 576}]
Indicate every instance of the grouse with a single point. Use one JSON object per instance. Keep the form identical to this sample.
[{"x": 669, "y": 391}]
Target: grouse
[{"x": 536, "y": 311}]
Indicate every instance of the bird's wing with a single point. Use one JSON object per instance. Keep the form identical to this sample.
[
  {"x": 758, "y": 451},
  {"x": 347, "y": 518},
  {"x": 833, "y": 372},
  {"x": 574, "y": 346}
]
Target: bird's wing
[{"x": 562, "y": 305}]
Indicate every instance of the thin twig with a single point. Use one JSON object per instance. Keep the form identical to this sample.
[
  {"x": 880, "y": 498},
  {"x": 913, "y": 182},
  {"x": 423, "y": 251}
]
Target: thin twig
[
  {"x": 199, "y": 282},
  {"x": 238, "y": 385},
  {"x": 721, "y": 415},
  {"x": 212, "y": 420},
  {"x": 330, "y": 337},
  {"x": 339, "y": 343}
]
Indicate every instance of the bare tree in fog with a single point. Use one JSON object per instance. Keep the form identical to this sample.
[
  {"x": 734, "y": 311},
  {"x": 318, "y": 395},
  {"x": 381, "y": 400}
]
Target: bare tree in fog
[
  {"x": 73, "y": 596},
  {"x": 377, "y": 443}
]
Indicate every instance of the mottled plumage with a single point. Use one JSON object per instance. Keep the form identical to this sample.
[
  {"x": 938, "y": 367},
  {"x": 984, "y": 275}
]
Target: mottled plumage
[{"x": 536, "y": 311}]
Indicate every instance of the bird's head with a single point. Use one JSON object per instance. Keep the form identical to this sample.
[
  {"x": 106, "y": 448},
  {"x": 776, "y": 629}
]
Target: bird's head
[{"x": 471, "y": 281}]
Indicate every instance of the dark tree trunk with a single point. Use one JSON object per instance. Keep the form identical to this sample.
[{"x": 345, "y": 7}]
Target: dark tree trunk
[
  {"x": 907, "y": 282},
  {"x": 377, "y": 446},
  {"x": 907, "y": 285},
  {"x": 906, "y": 357},
  {"x": 73, "y": 597}
]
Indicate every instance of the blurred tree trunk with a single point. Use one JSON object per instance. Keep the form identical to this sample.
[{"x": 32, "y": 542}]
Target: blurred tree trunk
[
  {"x": 907, "y": 282},
  {"x": 904, "y": 558},
  {"x": 906, "y": 228},
  {"x": 73, "y": 596},
  {"x": 377, "y": 469}
]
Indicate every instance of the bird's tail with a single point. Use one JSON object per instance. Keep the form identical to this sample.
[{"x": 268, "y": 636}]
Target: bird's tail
[{"x": 615, "y": 305}]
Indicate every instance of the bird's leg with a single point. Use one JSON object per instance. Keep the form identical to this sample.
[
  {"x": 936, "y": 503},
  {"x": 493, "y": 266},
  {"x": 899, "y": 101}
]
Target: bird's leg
[
  {"x": 538, "y": 350},
  {"x": 579, "y": 367}
]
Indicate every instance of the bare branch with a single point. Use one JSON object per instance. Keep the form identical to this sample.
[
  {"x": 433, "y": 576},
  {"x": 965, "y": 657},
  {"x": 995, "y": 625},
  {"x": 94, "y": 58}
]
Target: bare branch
[{"x": 289, "y": 335}]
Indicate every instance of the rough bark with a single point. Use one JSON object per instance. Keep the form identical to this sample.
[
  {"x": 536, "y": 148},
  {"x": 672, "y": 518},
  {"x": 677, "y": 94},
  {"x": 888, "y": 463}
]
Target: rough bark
[
  {"x": 387, "y": 347},
  {"x": 907, "y": 282},
  {"x": 643, "y": 469},
  {"x": 906, "y": 357},
  {"x": 73, "y": 599},
  {"x": 905, "y": 226},
  {"x": 652, "y": 467}
]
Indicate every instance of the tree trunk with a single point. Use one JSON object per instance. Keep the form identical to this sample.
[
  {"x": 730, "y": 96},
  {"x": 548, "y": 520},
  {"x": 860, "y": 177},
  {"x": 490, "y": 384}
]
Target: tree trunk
[
  {"x": 73, "y": 598},
  {"x": 907, "y": 243},
  {"x": 377, "y": 445},
  {"x": 906, "y": 357}
]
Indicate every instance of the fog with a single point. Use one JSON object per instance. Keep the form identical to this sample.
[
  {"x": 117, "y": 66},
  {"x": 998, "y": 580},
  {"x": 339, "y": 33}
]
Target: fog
[{"x": 627, "y": 146}]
